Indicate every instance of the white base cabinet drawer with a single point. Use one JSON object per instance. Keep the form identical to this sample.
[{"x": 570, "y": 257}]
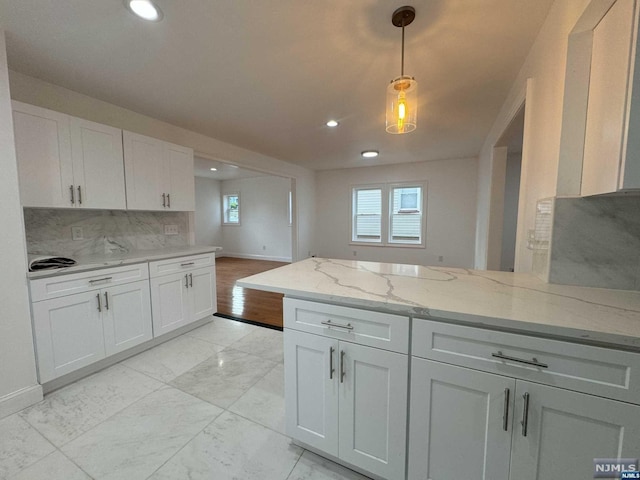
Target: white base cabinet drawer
[
  {"x": 181, "y": 264},
  {"x": 58, "y": 286},
  {"x": 599, "y": 371},
  {"x": 364, "y": 327}
]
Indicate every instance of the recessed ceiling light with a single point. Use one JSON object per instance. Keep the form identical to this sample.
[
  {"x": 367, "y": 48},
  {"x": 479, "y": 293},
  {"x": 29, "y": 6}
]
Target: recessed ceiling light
[
  {"x": 233, "y": 166},
  {"x": 213, "y": 169},
  {"x": 145, "y": 9},
  {"x": 332, "y": 123},
  {"x": 369, "y": 153}
]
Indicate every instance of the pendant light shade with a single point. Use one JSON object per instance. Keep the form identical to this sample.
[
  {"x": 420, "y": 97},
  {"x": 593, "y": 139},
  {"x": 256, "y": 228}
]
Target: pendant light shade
[{"x": 402, "y": 92}]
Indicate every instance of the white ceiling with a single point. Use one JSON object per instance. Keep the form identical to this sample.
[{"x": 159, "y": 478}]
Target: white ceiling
[
  {"x": 267, "y": 75},
  {"x": 224, "y": 171}
]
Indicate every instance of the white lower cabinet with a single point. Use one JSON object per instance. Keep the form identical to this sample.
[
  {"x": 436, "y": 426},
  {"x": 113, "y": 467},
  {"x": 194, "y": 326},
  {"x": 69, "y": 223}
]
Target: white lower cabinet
[
  {"x": 182, "y": 298},
  {"x": 347, "y": 400},
  {"x": 471, "y": 424},
  {"x": 74, "y": 331}
]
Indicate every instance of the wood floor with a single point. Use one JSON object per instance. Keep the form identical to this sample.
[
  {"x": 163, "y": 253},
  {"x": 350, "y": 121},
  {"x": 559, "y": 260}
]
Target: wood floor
[{"x": 246, "y": 303}]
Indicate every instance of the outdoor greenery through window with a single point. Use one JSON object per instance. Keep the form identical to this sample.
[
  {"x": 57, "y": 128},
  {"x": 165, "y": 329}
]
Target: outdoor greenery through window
[
  {"x": 231, "y": 206},
  {"x": 388, "y": 214}
]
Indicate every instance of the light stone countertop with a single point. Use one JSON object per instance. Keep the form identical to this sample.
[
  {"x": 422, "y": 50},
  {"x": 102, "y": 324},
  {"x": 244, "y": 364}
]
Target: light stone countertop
[
  {"x": 507, "y": 301},
  {"x": 94, "y": 262}
]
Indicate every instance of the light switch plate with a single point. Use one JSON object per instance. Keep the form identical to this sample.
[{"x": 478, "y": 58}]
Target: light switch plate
[{"x": 171, "y": 230}]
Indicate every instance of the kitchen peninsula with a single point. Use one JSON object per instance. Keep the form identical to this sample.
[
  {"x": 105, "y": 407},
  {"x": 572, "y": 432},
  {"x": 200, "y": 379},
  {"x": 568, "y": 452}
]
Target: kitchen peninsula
[{"x": 385, "y": 362}]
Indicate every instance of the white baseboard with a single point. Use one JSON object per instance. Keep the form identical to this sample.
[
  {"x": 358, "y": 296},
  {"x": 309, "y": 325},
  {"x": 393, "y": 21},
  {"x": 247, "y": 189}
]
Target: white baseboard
[
  {"x": 254, "y": 257},
  {"x": 16, "y": 401}
]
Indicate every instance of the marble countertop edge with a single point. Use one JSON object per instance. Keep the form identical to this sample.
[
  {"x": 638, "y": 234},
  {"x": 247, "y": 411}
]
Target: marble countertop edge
[{"x": 96, "y": 262}]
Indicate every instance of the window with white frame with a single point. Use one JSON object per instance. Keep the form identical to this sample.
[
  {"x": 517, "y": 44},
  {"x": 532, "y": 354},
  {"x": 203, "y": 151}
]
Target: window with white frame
[
  {"x": 231, "y": 209},
  {"x": 389, "y": 214},
  {"x": 367, "y": 215}
]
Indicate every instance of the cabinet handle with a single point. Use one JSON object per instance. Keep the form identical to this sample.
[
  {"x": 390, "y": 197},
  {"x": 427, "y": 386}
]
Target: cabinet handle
[
  {"x": 106, "y": 300},
  {"x": 331, "y": 369},
  {"x": 525, "y": 415},
  {"x": 186, "y": 280},
  {"x": 99, "y": 303},
  {"x": 164, "y": 200},
  {"x": 187, "y": 264},
  {"x": 191, "y": 279},
  {"x": 329, "y": 323},
  {"x": 533, "y": 361},
  {"x": 73, "y": 199},
  {"x": 168, "y": 200},
  {"x": 505, "y": 415},
  {"x": 100, "y": 280},
  {"x": 342, "y": 374},
  {"x": 79, "y": 194}
]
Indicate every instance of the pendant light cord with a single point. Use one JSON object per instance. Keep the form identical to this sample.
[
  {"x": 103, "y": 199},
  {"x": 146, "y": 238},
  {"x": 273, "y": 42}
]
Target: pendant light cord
[{"x": 402, "y": 61}]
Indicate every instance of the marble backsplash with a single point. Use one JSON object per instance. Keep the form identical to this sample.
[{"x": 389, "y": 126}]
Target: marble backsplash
[
  {"x": 596, "y": 242},
  {"x": 48, "y": 231}
]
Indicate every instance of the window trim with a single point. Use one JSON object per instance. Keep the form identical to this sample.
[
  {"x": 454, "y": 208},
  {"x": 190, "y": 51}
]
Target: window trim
[
  {"x": 224, "y": 216},
  {"x": 386, "y": 208}
]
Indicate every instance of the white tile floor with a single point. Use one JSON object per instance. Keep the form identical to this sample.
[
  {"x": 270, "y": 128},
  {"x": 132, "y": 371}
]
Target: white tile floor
[{"x": 206, "y": 405}]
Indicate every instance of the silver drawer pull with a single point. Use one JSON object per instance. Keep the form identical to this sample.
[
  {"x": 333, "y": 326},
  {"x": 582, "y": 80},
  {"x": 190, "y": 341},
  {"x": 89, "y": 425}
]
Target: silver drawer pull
[
  {"x": 329, "y": 323},
  {"x": 533, "y": 361},
  {"x": 187, "y": 264},
  {"x": 100, "y": 280}
]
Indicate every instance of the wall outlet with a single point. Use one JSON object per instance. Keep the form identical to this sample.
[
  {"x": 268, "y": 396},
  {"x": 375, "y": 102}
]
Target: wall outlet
[
  {"x": 264, "y": 247},
  {"x": 440, "y": 258},
  {"x": 171, "y": 230},
  {"x": 355, "y": 253},
  {"x": 77, "y": 233}
]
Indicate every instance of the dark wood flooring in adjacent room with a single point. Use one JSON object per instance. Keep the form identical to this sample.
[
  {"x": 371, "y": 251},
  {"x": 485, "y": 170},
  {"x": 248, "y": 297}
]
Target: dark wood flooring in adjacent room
[{"x": 246, "y": 303}]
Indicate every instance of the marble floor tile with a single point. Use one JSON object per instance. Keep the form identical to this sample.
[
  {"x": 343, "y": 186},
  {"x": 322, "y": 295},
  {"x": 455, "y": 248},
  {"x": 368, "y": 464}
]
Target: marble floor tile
[
  {"x": 52, "y": 467},
  {"x": 224, "y": 377},
  {"x": 264, "y": 342},
  {"x": 223, "y": 331},
  {"x": 168, "y": 360},
  {"x": 135, "y": 442},
  {"x": 67, "y": 413},
  {"x": 233, "y": 448},
  {"x": 20, "y": 445},
  {"x": 314, "y": 467},
  {"x": 264, "y": 402}
]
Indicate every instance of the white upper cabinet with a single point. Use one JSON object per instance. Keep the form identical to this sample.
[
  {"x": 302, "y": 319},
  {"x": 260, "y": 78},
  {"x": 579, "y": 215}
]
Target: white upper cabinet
[
  {"x": 67, "y": 162},
  {"x": 611, "y": 160},
  {"x": 43, "y": 149},
  {"x": 98, "y": 166},
  {"x": 159, "y": 175}
]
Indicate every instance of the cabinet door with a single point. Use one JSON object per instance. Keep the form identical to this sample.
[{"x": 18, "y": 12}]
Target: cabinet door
[
  {"x": 179, "y": 171},
  {"x": 126, "y": 316},
  {"x": 373, "y": 409},
  {"x": 567, "y": 430},
  {"x": 98, "y": 166},
  {"x": 604, "y": 148},
  {"x": 169, "y": 301},
  {"x": 202, "y": 289},
  {"x": 458, "y": 418},
  {"x": 145, "y": 173},
  {"x": 43, "y": 150},
  {"x": 68, "y": 334},
  {"x": 311, "y": 389}
]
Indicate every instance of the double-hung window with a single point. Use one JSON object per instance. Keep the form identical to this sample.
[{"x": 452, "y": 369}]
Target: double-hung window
[
  {"x": 231, "y": 209},
  {"x": 388, "y": 214}
]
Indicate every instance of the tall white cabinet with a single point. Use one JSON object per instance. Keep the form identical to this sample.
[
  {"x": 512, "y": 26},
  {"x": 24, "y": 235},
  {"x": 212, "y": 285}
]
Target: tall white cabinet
[
  {"x": 159, "y": 175},
  {"x": 67, "y": 162},
  {"x": 345, "y": 396}
]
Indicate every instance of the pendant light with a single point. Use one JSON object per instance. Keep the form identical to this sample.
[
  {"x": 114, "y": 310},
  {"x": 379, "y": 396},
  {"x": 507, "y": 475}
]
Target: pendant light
[{"x": 402, "y": 92}]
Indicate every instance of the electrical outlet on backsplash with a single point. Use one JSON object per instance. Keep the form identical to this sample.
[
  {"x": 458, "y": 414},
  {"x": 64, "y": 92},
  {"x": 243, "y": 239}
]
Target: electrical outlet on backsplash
[{"x": 105, "y": 231}]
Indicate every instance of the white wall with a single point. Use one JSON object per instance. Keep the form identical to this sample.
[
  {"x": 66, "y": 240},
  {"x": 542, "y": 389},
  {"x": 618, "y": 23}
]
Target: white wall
[
  {"x": 37, "y": 92},
  {"x": 18, "y": 384},
  {"x": 510, "y": 215},
  {"x": 264, "y": 230},
  {"x": 208, "y": 212},
  {"x": 451, "y": 211},
  {"x": 545, "y": 66}
]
